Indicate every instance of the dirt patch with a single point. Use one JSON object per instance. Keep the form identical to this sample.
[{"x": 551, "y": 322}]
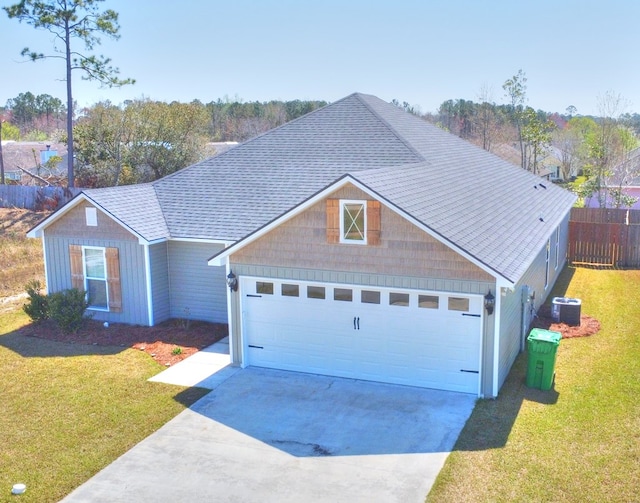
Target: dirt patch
[
  {"x": 168, "y": 343},
  {"x": 16, "y": 221},
  {"x": 588, "y": 325}
]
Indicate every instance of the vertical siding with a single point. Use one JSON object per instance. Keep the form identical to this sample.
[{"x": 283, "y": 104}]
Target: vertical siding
[
  {"x": 511, "y": 335},
  {"x": 197, "y": 289},
  {"x": 132, "y": 275},
  {"x": 160, "y": 294}
]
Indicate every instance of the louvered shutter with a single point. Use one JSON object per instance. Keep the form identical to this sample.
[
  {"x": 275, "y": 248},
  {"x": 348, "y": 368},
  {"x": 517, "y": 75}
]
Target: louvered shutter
[
  {"x": 373, "y": 222},
  {"x": 77, "y": 271},
  {"x": 333, "y": 221},
  {"x": 113, "y": 280}
]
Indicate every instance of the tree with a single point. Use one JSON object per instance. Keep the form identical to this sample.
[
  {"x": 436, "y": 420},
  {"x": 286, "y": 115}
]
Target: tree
[
  {"x": 141, "y": 141},
  {"x": 70, "y": 21},
  {"x": 516, "y": 90},
  {"x": 536, "y": 132},
  {"x": 487, "y": 118}
]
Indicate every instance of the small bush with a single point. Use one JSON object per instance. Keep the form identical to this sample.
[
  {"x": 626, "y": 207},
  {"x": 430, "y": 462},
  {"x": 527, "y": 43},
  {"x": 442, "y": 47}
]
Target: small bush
[
  {"x": 176, "y": 351},
  {"x": 67, "y": 309},
  {"x": 37, "y": 307}
]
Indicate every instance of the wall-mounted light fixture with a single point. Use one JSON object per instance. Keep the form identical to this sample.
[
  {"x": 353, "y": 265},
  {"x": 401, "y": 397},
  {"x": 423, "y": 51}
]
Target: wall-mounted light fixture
[
  {"x": 232, "y": 281},
  {"x": 489, "y": 302}
]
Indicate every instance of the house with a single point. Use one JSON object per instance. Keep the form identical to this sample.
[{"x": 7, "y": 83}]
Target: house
[
  {"x": 25, "y": 158},
  {"x": 357, "y": 241}
]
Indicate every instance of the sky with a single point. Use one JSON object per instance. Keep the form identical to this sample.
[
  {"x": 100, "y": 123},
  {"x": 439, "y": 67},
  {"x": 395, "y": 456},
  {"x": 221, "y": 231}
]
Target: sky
[{"x": 423, "y": 52}]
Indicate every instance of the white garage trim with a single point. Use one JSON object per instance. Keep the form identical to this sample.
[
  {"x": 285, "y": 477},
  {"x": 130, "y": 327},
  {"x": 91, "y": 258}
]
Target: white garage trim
[{"x": 412, "y": 337}]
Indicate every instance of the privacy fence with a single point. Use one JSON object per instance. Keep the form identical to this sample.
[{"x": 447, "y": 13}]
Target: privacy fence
[
  {"x": 35, "y": 198},
  {"x": 604, "y": 237}
]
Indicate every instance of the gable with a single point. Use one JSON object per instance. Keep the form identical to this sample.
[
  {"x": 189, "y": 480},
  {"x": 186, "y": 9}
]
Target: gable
[
  {"x": 403, "y": 248},
  {"x": 74, "y": 224}
]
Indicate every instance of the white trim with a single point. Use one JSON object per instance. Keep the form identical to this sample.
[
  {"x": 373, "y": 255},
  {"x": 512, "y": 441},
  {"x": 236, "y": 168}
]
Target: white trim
[
  {"x": 496, "y": 341},
  {"x": 363, "y": 203},
  {"x": 219, "y": 258},
  {"x": 86, "y": 278},
  {"x": 147, "y": 273},
  {"x": 224, "y": 242},
  {"x": 46, "y": 264},
  {"x": 230, "y": 321}
]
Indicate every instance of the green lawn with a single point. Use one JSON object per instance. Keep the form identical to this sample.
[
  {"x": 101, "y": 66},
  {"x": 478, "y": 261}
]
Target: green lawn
[
  {"x": 581, "y": 440},
  {"x": 68, "y": 410}
]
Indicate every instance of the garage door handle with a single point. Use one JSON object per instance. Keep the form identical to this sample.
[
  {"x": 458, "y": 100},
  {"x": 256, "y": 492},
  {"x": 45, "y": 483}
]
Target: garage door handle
[
  {"x": 472, "y": 315},
  {"x": 356, "y": 323},
  {"x": 470, "y": 371}
]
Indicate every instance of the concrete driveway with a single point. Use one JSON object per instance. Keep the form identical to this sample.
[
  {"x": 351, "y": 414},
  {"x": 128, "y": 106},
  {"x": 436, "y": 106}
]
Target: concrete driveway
[{"x": 273, "y": 436}]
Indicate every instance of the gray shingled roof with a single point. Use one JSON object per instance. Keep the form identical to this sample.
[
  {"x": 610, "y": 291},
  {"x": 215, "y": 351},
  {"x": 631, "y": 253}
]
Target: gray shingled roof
[{"x": 472, "y": 198}]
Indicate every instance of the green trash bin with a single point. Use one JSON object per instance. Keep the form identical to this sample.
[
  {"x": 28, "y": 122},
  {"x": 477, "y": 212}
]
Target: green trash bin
[{"x": 542, "y": 346}]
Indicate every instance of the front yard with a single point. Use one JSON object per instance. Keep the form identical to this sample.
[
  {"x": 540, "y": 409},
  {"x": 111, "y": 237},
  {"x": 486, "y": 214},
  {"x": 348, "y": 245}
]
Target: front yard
[
  {"x": 68, "y": 410},
  {"x": 581, "y": 440}
]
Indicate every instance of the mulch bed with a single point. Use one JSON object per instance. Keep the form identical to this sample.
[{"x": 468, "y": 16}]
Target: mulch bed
[
  {"x": 159, "y": 341},
  {"x": 588, "y": 325}
]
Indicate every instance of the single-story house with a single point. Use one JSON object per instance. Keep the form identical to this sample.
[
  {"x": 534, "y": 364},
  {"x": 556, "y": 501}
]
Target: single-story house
[{"x": 357, "y": 241}]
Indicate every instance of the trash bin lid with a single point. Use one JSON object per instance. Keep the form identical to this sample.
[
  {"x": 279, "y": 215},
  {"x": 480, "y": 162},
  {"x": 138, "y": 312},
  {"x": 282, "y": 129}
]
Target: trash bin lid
[{"x": 540, "y": 334}]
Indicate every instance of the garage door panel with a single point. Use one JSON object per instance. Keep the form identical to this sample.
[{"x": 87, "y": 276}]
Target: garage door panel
[{"x": 391, "y": 343}]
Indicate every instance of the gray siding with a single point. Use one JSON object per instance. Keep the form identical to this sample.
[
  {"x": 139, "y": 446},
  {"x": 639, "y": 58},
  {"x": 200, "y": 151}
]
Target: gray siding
[
  {"x": 198, "y": 291},
  {"x": 511, "y": 330},
  {"x": 132, "y": 275},
  {"x": 160, "y": 294}
]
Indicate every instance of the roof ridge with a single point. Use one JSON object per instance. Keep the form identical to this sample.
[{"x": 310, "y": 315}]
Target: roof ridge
[{"x": 360, "y": 96}]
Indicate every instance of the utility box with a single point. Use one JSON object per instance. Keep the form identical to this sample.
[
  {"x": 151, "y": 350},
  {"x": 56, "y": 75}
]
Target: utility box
[
  {"x": 566, "y": 310},
  {"x": 542, "y": 348}
]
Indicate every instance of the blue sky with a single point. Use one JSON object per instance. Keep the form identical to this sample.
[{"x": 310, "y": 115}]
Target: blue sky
[{"x": 422, "y": 52}]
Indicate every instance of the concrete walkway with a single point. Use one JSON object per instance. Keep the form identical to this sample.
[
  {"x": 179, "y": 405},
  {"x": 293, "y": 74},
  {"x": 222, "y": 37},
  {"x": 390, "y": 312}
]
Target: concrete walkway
[{"x": 208, "y": 368}]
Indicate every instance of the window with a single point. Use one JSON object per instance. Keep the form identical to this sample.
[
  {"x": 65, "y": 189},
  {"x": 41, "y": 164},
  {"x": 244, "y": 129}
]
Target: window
[
  {"x": 428, "y": 301},
  {"x": 315, "y": 292},
  {"x": 95, "y": 277},
  {"x": 546, "y": 265},
  {"x": 370, "y": 297},
  {"x": 398, "y": 299},
  {"x": 290, "y": 290},
  {"x": 344, "y": 294},
  {"x": 458, "y": 304},
  {"x": 264, "y": 287},
  {"x": 557, "y": 247},
  {"x": 353, "y": 222},
  {"x": 96, "y": 271}
]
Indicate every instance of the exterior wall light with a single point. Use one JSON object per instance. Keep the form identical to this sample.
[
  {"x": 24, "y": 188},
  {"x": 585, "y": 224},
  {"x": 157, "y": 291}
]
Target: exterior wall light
[
  {"x": 232, "y": 281},
  {"x": 489, "y": 302}
]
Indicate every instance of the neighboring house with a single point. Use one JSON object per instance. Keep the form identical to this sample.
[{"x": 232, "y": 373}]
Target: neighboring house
[
  {"x": 361, "y": 242},
  {"x": 625, "y": 177},
  {"x": 31, "y": 157}
]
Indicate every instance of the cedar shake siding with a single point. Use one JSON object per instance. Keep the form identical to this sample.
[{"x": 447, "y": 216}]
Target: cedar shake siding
[{"x": 403, "y": 249}]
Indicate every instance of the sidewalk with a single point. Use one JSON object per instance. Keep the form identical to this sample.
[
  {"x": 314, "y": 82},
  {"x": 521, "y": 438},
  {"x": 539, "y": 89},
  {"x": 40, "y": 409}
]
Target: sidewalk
[{"x": 208, "y": 368}]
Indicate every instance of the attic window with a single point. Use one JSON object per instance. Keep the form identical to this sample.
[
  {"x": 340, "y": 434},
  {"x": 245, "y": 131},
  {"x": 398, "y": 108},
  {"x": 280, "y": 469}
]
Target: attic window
[
  {"x": 353, "y": 222},
  {"x": 91, "y": 216}
]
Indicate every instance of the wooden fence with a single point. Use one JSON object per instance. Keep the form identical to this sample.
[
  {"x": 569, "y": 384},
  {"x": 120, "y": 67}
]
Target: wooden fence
[
  {"x": 604, "y": 237},
  {"x": 35, "y": 198}
]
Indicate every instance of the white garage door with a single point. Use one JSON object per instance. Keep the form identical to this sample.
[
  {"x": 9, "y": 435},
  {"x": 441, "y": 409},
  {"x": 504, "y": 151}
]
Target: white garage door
[{"x": 398, "y": 336}]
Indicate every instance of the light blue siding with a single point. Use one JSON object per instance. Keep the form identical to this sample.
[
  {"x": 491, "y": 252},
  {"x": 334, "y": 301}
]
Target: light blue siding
[
  {"x": 158, "y": 254},
  {"x": 198, "y": 291}
]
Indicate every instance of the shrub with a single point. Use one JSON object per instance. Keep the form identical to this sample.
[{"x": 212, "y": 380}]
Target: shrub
[
  {"x": 67, "y": 309},
  {"x": 37, "y": 307}
]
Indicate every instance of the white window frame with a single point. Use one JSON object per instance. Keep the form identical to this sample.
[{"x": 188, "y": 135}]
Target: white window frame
[
  {"x": 547, "y": 263},
  {"x": 343, "y": 203},
  {"x": 93, "y": 278},
  {"x": 91, "y": 217},
  {"x": 557, "y": 247}
]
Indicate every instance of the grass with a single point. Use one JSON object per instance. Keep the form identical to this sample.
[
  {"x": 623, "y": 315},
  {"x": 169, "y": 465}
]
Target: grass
[
  {"x": 68, "y": 410},
  {"x": 581, "y": 440},
  {"x": 20, "y": 257}
]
